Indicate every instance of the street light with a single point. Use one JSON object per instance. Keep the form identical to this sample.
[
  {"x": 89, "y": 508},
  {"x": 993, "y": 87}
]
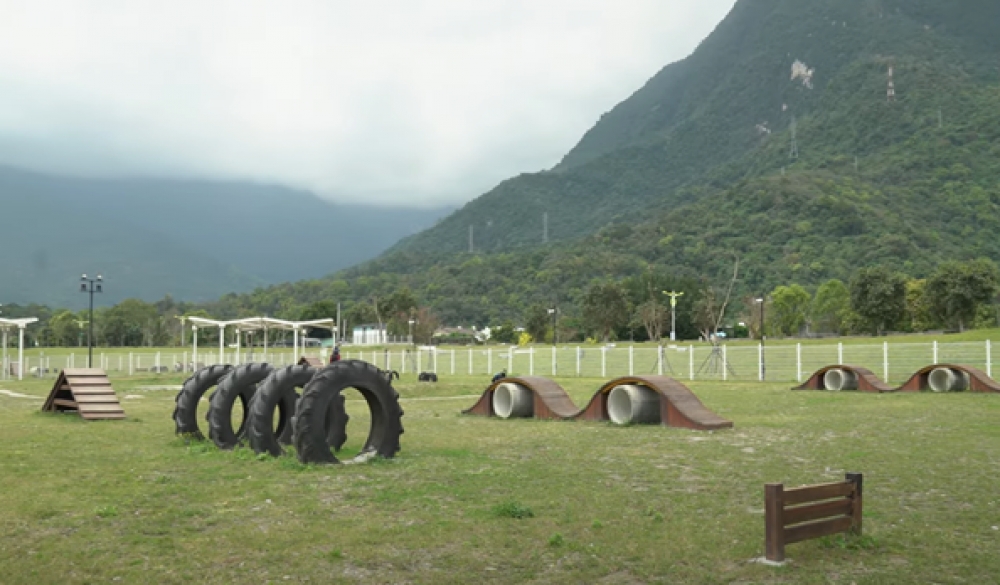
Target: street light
[
  {"x": 555, "y": 331},
  {"x": 763, "y": 366},
  {"x": 412, "y": 321},
  {"x": 673, "y": 312},
  {"x": 91, "y": 285}
]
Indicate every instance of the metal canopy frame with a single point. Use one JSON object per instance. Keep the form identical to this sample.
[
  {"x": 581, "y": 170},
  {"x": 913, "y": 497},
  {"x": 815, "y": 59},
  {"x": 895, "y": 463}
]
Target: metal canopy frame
[
  {"x": 5, "y": 326},
  {"x": 252, "y": 325}
]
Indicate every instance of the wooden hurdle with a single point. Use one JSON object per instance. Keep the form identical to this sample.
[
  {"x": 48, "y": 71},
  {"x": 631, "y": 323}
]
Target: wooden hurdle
[
  {"x": 809, "y": 512},
  {"x": 87, "y": 392}
]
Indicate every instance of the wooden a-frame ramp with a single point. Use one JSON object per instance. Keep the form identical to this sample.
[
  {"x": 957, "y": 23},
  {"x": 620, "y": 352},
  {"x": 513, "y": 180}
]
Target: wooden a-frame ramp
[{"x": 84, "y": 391}]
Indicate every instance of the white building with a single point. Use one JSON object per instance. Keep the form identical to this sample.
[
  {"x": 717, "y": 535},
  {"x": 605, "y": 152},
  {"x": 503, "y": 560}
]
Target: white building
[{"x": 369, "y": 335}]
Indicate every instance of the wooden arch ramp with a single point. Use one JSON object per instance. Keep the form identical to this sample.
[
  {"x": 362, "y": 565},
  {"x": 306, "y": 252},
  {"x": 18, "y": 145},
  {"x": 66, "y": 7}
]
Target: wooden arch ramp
[
  {"x": 679, "y": 407},
  {"x": 867, "y": 380},
  {"x": 978, "y": 380},
  {"x": 87, "y": 392}
]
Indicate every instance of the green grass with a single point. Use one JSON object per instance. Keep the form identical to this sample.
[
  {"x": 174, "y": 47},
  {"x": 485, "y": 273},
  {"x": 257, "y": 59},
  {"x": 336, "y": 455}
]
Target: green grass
[{"x": 91, "y": 502}]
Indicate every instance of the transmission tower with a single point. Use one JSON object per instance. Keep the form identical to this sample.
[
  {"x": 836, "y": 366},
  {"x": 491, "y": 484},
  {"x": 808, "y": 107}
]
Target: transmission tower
[
  {"x": 794, "y": 152},
  {"x": 891, "y": 91}
]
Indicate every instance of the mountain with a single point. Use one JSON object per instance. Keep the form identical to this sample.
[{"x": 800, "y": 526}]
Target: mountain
[
  {"x": 194, "y": 240},
  {"x": 697, "y": 168}
]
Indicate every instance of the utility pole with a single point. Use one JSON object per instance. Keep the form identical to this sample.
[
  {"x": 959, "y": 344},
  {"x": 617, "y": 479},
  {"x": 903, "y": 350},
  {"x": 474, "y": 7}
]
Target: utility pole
[{"x": 673, "y": 312}]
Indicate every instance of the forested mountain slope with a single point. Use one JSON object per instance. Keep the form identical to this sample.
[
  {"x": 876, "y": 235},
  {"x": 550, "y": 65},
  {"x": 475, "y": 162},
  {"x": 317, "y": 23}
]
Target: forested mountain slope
[
  {"x": 696, "y": 169},
  {"x": 194, "y": 240}
]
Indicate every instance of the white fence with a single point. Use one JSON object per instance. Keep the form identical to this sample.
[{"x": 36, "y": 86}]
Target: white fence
[{"x": 893, "y": 362}]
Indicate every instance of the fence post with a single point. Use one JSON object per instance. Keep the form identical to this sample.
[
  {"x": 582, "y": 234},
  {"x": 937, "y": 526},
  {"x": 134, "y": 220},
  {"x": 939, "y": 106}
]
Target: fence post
[
  {"x": 989, "y": 358},
  {"x": 885, "y": 360},
  {"x": 774, "y": 541},
  {"x": 604, "y": 362},
  {"x": 578, "y": 352},
  {"x": 130, "y": 370},
  {"x": 531, "y": 360},
  {"x": 691, "y": 361},
  {"x": 659, "y": 360},
  {"x": 798, "y": 362},
  {"x": 935, "y": 361},
  {"x": 725, "y": 364},
  {"x": 840, "y": 354},
  {"x": 555, "y": 369},
  {"x": 120, "y": 362},
  {"x": 470, "y": 361},
  {"x": 856, "y": 512},
  {"x": 760, "y": 362},
  {"x": 631, "y": 360}
]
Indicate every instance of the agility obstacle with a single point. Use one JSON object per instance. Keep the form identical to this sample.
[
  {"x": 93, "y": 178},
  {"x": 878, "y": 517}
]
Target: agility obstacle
[
  {"x": 87, "y": 392},
  {"x": 628, "y": 400}
]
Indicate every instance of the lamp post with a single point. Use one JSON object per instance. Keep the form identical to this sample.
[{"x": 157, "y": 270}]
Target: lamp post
[
  {"x": 91, "y": 285},
  {"x": 555, "y": 331},
  {"x": 673, "y": 312},
  {"x": 411, "y": 322},
  {"x": 763, "y": 364}
]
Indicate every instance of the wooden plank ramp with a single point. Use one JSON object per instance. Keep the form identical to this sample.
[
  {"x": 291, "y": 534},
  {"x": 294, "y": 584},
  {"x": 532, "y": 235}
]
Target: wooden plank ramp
[{"x": 87, "y": 392}]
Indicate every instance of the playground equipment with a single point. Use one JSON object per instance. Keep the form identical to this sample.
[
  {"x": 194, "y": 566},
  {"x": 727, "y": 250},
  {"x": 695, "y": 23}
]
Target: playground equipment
[
  {"x": 935, "y": 378},
  {"x": 319, "y": 419},
  {"x": 628, "y": 400},
  {"x": 808, "y": 512},
  {"x": 87, "y": 392}
]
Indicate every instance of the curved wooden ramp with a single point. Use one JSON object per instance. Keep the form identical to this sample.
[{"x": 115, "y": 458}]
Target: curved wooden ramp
[
  {"x": 978, "y": 380},
  {"x": 679, "y": 407},
  {"x": 867, "y": 380},
  {"x": 550, "y": 400}
]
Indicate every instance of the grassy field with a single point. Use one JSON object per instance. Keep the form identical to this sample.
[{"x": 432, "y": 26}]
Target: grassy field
[{"x": 128, "y": 502}]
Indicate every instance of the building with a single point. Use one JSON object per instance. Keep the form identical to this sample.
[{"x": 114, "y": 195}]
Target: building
[{"x": 369, "y": 335}]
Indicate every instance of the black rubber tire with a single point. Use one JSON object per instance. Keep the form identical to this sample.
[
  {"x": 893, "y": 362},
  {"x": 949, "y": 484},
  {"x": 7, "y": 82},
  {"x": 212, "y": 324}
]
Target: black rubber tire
[
  {"x": 186, "y": 403},
  {"x": 277, "y": 391},
  {"x": 422, "y": 377},
  {"x": 433, "y": 377},
  {"x": 329, "y": 383},
  {"x": 240, "y": 384}
]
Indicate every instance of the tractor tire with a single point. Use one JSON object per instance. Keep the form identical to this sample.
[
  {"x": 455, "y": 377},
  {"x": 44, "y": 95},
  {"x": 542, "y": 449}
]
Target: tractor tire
[
  {"x": 186, "y": 403},
  {"x": 310, "y": 433},
  {"x": 241, "y": 384},
  {"x": 275, "y": 392}
]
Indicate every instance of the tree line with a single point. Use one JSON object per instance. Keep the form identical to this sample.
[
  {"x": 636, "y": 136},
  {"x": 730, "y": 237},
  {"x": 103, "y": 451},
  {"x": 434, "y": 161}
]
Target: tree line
[{"x": 958, "y": 295}]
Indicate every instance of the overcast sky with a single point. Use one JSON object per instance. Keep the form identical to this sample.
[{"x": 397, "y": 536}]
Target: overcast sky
[{"x": 419, "y": 102}]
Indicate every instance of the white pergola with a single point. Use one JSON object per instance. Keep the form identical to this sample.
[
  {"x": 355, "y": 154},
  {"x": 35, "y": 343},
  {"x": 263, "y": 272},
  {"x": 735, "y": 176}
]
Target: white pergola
[
  {"x": 5, "y": 326},
  {"x": 252, "y": 325}
]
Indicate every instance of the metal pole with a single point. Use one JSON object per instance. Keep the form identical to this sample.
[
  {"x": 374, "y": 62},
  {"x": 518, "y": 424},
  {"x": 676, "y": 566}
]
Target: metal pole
[
  {"x": 90, "y": 330},
  {"x": 763, "y": 360},
  {"x": 20, "y": 353},
  {"x": 222, "y": 344}
]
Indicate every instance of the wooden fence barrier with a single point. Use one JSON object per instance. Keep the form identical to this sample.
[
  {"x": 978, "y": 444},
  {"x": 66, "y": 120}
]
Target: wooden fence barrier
[{"x": 808, "y": 512}]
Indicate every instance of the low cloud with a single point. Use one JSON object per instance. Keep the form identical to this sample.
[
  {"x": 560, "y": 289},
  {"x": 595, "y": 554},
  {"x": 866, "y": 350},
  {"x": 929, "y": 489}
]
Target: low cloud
[{"x": 420, "y": 102}]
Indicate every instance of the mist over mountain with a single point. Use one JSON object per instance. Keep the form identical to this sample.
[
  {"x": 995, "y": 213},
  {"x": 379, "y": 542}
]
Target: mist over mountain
[
  {"x": 776, "y": 142},
  {"x": 194, "y": 240}
]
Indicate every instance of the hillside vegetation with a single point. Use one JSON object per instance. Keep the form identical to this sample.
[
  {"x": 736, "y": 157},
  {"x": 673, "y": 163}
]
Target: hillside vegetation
[{"x": 695, "y": 170}]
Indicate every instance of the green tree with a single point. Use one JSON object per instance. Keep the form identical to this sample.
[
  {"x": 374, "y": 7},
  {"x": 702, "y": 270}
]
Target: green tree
[
  {"x": 653, "y": 316},
  {"x": 831, "y": 307},
  {"x": 503, "y": 333},
  {"x": 919, "y": 313},
  {"x": 878, "y": 296},
  {"x": 957, "y": 290},
  {"x": 790, "y": 308},
  {"x": 537, "y": 322},
  {"x": 605, "y": 306}
]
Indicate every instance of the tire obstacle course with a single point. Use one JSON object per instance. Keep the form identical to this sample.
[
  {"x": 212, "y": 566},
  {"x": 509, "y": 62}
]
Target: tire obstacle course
[
  {"x": 933, "y": 378},
  {"x": 314, "y": 422},
  {"x": 623, "y": 401}
]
